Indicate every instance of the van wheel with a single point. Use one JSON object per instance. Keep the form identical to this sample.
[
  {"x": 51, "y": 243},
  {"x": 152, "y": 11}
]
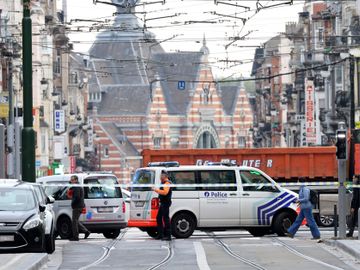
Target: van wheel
[
  {"x": 111, "y": 234},
  {"x": 182, "y": 225},
  {"x": 282, "y": 223},
  {"x": 152, "y": 232},
  {"x": 258, "y": 232},
  {"x": 64, "y": 227}
]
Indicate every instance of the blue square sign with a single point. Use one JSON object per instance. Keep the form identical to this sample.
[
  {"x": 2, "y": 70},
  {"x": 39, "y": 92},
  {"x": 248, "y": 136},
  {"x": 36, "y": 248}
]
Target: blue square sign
[{"x": 181, "y": 85}]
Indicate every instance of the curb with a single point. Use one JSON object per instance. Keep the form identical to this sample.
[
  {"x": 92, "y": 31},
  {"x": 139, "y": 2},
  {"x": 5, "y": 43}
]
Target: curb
[{"x": 335, "y": 243}]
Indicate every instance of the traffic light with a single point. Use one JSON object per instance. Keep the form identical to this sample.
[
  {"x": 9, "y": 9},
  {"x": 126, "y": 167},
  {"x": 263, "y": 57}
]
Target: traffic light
[{"x": 341, "y": 144}]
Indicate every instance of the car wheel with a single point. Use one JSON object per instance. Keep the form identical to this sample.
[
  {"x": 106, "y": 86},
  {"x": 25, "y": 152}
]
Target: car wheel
[
  {"x": 182, "y": 225},
  {"x": 257, "y": 232},
  {"x": 64, "y": 227},
  {"x": 111, "y": 234},
  {"x": 325, "y": 221},
  {"x": 50, "y": 242},
  {"x": 152, "y": 232},
  {"x": 282, "y": 223}
]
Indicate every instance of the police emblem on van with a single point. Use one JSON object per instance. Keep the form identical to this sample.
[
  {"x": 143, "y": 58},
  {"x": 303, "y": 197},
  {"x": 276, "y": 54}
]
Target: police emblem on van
[
  {"x": 215, "y": 194},
  {"x": 106, "y": 202}
]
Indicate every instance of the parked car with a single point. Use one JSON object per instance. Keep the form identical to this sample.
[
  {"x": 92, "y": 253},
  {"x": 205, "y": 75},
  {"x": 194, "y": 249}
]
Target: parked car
[
  {"x": 104, "y": 210},
  {"x": 26, "y": 219}
]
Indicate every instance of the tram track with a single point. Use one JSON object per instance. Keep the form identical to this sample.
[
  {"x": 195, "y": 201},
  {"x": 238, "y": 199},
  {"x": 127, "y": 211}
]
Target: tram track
[
  {"x": 302, "y": 255},
  {"x": 228, "y": 250},
  {"x": 107, "y": 251},
  {"x": 168, "y": 257}
]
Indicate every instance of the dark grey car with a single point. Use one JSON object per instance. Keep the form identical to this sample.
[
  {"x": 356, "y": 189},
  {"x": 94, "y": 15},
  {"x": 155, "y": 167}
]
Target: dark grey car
[{"x": 26, "y": 224}]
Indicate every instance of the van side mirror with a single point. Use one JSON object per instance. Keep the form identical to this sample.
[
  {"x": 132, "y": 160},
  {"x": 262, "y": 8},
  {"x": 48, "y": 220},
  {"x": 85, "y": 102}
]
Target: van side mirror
[
  {"x": 42, "y": 208},
  {"x": 50, "y": 199}
]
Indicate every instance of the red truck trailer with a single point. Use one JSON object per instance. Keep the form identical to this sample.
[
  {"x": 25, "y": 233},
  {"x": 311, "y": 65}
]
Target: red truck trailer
[{"x": 282, "y": 164}]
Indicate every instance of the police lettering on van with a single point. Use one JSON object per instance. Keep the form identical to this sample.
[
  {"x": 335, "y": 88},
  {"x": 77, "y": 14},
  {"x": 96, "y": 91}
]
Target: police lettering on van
[{"x": 213, "y": 197}]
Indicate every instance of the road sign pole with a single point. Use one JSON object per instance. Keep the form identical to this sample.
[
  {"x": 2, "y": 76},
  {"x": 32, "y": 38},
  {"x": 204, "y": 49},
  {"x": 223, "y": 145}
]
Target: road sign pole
[
  {"x": 341, "y": 198},
  {"x": 342, "y": 155},
  {"x": 2, "y": 151},
  {"x": 28, "y": 134}
]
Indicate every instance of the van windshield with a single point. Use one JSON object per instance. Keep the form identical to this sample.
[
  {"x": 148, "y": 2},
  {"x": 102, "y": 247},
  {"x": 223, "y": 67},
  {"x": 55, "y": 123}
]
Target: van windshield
[
  {"x": 142, "y": 177},
  {"x": 101, "y": 187}
]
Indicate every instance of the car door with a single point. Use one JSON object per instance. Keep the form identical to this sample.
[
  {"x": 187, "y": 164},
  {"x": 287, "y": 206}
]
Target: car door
[
  {"x": 260, "y": 198},
  {"x": 219, "y": 205}
]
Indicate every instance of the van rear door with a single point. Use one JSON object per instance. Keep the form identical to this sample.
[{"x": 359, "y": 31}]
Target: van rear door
[
  {"x": 140, "y": 205},
  {"x": 103, "y": 199}
]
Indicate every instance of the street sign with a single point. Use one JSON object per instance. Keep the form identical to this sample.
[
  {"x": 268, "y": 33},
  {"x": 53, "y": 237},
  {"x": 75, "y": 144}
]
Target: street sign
[
  {"x": 310, "y": 112},
  {"x": 38, "y": 163},
  {"x": 4, "y": 106},
  {"x": 181, "y": 85},
  {"x": 59, "y": 123}
]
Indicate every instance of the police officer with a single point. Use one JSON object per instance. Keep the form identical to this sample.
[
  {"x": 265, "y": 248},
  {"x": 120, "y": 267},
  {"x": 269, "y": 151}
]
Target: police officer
[
  {"x": 162, "y": 218},
  {"x": 355, "y": 203}
]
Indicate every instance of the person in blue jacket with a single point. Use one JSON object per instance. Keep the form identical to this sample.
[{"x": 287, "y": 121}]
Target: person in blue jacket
[{"x": 305, "y": 212}]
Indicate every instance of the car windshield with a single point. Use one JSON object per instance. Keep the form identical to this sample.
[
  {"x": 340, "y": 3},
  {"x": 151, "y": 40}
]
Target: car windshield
[
  {"x": 142, "y": 177},
  {"x": 16, "y": 199},
  {"x": 101, "y": 187}
]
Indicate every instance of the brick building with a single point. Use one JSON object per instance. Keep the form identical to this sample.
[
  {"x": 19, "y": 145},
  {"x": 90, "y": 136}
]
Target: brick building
[{"x": 141, "y": 97}]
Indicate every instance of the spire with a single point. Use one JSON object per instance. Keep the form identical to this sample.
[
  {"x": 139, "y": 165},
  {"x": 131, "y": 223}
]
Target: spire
[{"x": 204, "y": 49}]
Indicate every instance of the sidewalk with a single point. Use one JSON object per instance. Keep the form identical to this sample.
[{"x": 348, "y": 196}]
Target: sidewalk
[
  {"x": 23, "y": 261},
  {"x": 350, "y": 246}
]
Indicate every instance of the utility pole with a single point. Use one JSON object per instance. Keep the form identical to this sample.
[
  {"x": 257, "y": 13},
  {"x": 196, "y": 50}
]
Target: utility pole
[
  {"x": 10, "y": 129},
  {"x": 352, "y": 117},
  {"x": 2, "y": 151},
  {"x": 28, "y": 134}
]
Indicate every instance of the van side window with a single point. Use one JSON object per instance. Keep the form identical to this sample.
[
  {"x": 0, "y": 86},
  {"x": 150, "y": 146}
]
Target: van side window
[
  {"x": 255, "y": 181},
  {"x": 218, "y": 177},
  {"x": 57, "y": 190},
  {"x": 184, "y": 178}
]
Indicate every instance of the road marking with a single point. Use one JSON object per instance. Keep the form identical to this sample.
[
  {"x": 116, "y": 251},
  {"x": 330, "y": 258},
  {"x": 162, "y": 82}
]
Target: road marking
[
  {"x": 201, "y": 256},
  {"x": 14, "y": 259}
]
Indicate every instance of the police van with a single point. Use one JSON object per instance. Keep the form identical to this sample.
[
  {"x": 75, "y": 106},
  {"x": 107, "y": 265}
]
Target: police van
[{"x": 213, "y": 197}]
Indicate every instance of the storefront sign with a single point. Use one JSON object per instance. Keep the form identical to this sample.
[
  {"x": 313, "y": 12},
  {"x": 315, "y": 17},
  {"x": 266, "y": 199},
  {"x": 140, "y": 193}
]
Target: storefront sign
[{"x": 310, "y": 112}]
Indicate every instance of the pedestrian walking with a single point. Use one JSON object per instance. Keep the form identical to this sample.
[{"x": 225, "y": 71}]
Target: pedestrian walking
[
  {"x": 162, "y": 218},
  {"x": 305, "y": 212},
  {"x": 77, "y": 205},
  {"x": 354, "y": 207}
]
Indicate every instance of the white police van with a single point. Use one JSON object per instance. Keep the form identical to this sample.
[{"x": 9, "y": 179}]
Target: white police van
[{"x": 213, "y": 197}]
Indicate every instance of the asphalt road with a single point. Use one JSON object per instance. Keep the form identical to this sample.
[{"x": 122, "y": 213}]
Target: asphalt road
[{"x": 135, "y": 250}]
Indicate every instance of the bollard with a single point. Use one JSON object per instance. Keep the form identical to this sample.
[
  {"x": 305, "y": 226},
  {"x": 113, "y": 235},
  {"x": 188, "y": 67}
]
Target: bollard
[
  {"x": 359, "y": 224},
  {"x": 335, "y": 220}
]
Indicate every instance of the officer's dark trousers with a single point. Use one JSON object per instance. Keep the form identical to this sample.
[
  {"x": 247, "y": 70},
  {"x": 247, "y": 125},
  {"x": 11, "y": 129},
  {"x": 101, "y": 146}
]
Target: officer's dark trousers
[
  {"x": 163, "y": 220},
  {"x": 353, "y": 222}
]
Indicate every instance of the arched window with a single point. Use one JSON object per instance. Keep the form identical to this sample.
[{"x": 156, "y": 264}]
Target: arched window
[{"x": 206, "y": 140}]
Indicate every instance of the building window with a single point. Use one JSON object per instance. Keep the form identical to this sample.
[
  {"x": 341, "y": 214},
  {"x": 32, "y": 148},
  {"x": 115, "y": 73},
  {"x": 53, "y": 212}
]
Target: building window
[
  {"x": 106, "y": 151},
  {"x": 157, "y": 142},
  {"x": 242, "y": 142},
  {"x": 320, "y": 36},
  {"x": 338, "y": 75},
  {"x": 57, "y": 65},
  {"x": 73, "y": 77},
  {"x": 206, "y": 140},
  {"x": 43, "y": 143}
]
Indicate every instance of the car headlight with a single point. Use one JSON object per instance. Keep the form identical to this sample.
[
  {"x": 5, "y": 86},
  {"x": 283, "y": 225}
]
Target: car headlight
[{"x": 32, "y": 223}]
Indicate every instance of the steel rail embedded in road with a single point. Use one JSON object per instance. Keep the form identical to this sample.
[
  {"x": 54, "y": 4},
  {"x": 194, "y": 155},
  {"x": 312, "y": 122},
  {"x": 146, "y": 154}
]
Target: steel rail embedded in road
[
  {"x": 107, "y": 251},
  {"x": 298, "y": 253},
  {"x": 233, "y": 254},
  {"x": 169, "y": 256}
]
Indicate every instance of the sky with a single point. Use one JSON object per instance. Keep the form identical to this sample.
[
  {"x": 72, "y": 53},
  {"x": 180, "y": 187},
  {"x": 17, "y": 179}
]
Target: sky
[{"x": 228, "y": 60}]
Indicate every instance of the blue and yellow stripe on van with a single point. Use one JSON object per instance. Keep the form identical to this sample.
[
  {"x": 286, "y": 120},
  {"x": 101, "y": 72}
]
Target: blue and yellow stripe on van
[{"x": 266, "y": 211}]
